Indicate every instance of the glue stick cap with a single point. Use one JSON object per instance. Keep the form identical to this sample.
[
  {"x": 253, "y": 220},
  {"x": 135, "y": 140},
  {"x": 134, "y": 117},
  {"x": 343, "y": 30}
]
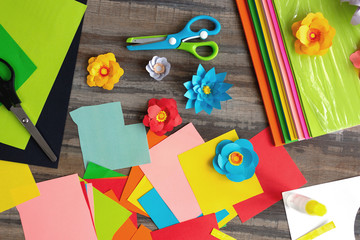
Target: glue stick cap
[{"x": 315, "y": 208}]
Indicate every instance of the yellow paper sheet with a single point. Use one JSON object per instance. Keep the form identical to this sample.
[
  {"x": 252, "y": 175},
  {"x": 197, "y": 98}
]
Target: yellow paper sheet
[
  {"x": 213, "y": 190},
  {"x": 278, "y": 77},
  {"x": 17, "y": 185},
  {"x": 319, "y": 231},
  {"x": 143, "y": 187},
  {"x": 228, "y": 218},
  {"x": 220, "y": 235}
]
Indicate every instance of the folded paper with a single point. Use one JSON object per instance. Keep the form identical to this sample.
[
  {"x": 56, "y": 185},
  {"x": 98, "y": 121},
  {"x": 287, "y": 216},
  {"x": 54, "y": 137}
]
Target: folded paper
[
  {"x": 158, "y": 68},
  {"x": 157, "y": 209},
  {"x": 206, "y": 90},
  {"x": 342, "y": 200},
  {"x": 106, "y": 141},
  {"x": 214, "y": 191},
  {"x": 17, "y": 185},
  {"x": 165, "y": 172},
  {"x": 61, "y": 206},
  {"x": 36, "y": 27}
]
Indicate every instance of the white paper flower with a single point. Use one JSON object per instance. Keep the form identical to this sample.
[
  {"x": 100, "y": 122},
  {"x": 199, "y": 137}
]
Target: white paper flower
[{"x": 158, "y": 68}]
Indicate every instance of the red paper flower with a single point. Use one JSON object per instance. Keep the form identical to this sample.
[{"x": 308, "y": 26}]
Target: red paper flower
[{"x": 162, "y": 115}]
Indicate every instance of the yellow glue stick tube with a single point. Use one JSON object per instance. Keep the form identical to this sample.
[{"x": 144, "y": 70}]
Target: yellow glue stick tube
[{"x": 304, "y": 204}]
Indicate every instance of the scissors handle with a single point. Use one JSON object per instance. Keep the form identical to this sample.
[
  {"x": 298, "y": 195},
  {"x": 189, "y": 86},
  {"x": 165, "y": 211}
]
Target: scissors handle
[
  {"x": 187, "y": 33},
  {"x": 8, "y": 95},
  {"x": 192, "y": 46}
]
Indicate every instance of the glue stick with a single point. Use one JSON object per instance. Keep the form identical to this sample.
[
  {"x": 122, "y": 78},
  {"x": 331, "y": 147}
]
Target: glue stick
[{"x": 304, "y": 204}]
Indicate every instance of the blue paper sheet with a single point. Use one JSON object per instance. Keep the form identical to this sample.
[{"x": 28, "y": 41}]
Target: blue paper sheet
[
  {"x": 107, "y": 141},
  {"x": 157, "y": 209},
  {"x": 220, "y": 215}
]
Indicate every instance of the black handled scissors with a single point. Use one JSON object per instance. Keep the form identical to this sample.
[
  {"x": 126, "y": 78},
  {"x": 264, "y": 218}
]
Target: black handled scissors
[{"x": 11, "y": 101}]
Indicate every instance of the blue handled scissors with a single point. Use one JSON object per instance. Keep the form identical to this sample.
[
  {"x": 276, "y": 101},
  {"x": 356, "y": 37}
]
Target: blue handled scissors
[
  {"x": 178, "y": 40},
  {"x": 11, "y": 101}
]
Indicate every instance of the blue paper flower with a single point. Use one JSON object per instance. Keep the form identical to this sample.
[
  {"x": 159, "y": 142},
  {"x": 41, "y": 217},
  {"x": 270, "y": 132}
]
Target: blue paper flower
[
  {"x": 206, "y": 90},
  {"x": 237, "y": 160}
]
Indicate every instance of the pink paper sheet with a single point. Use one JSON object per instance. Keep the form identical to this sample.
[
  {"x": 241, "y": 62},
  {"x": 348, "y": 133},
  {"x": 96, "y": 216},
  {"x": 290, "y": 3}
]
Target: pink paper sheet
[
  {"x": 283, "y": 72},
  {"x": 60, "y": 212},
  {"x": 285, "y": 59},
  {"x": 166, "y": 175}
]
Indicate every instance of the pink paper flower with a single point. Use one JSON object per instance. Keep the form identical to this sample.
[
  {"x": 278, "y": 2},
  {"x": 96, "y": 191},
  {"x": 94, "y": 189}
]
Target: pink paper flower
[{"x": 355, "y": 59}]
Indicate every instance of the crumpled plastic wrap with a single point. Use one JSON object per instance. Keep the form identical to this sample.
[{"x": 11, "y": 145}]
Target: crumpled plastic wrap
[{"x": 328, "y": 86}]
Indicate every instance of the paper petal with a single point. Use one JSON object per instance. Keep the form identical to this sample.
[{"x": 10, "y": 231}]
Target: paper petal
[
  {"x": 190, "y": 104},
  {"x": 188, "y": 85},
  {"x": 153, "y": 111},
  {"x": 201, "y": 71},
  {"x": 220, "y": 77},
  {"x": 198, "y": 107},
  {"x": 244, "y": 143},
  {"x": 220, "y": 145}
]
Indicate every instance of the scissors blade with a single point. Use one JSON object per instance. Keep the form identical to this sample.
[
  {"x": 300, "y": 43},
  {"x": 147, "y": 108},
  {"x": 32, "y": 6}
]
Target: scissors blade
[
  {"x": 26, "y": 122},
  {"x": 150, "y": 39}
]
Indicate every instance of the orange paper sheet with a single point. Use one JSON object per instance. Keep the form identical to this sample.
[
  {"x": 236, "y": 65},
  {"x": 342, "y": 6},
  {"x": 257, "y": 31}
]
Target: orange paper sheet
[
  {"x": 143, "y": 233},
  {"x": 126, "y": 231}
]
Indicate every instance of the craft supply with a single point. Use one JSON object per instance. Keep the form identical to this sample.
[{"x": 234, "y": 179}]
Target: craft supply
[
  {"x": 143, "y": 233},
  {"x": 274, "y": 67},
  {"x": 112, "y": 195},
  {"x": 106, "y": 141},
  {"x": 331, "y": 96},
  {"x": 317, "y": 232},
  {"x": 94, "y": 170},
  {"x": 220, "y": 235},
  {"x": 105, "y": 184},
  {"x": 214, "y": 191},
  {"x": 109, "y": 215},
  {"x": 17, "y": 185},
  {"x": 90, "y": 195},
  {"x": 165, "y": 172},
  {"x": 157, "y": 209},
  {"x": 70, "y": 212},
  {"x": 179, "y": 40},
  {"x": 355, "y": 20},
  {"x": 237, "y": 160},
  {"x": 342, "y": 200},
  {"x": 304, "y": 204},
  {"x": 143, "y": 187},
  {"x": 162, "y": 115},
  {"x": 260, "y": 72},
  {"x": 53, "y": 114},
  {"x": 29, "y": 24},
  {"x": 276, "y": 167},
  {"x": 158, "y": 68},
  {"x": 104, "y": 71},
  {"x": 206, "y": 90},
  {"x": 269, "y": 72},
  {"x": 231, "y": 214},
  {"x": 12, "y": 103},
  {"x": 195, "y": 229},
  {"x": 126, "y": 231},
  {"x": 288, "y": 68}
]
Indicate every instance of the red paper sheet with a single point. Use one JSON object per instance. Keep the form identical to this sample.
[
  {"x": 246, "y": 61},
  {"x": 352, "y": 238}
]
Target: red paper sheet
[
  {"x": 276, "y": 172},
  {"x": 116, "y": 184},
  {"x": 195, "y": 229}
]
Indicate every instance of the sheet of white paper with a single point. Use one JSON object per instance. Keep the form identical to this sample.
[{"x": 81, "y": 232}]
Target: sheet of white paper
[{"x": 342, "y": 200}]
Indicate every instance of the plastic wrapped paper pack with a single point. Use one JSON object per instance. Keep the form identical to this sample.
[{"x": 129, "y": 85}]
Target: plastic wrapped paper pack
[{"x": 328, "y": 85}]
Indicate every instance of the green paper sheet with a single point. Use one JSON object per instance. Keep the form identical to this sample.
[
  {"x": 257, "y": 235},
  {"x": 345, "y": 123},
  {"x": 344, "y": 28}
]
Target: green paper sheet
[
  {"x": 269, "y": 71},
  {"x": 328, "y": 86},
  {"x": 15, "y": 56},
  {"x": 109, "y": 215},
  {"x": 44, "y": 30},
  {"x": 94, "y": 171}
]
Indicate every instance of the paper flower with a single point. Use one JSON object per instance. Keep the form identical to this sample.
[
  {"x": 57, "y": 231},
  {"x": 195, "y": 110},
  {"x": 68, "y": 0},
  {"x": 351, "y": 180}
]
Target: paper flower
[
  {"x": 162, "y": 116},
  {"x": 158, "y": 68},
  {"x": 206, "y": 90},
  {"x": 104, "y": 71},
  {"x": 314, "y": 35},
  {"x": 237, "y": 160},
  {"x": 355, "y": 59}
]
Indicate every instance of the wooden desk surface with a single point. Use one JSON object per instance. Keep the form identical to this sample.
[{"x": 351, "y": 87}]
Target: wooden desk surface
[{"x": 107, "y": 25}]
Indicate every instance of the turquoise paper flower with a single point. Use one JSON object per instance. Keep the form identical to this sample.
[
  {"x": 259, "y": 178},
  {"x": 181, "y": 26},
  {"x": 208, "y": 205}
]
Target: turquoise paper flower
[
  {"x": 237, "y": 160},
  {"x": 206, "y": 90}
]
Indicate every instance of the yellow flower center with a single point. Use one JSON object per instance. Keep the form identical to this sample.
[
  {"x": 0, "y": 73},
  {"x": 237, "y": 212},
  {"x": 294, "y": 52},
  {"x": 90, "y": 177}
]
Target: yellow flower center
[
  {"x": 312, "y": 35},
  {"x": 104, "y": 71},
  {"x": 235, "y": 158},
  {"x": 161, "y": 116},
  {"x": 207, "y": 90}
]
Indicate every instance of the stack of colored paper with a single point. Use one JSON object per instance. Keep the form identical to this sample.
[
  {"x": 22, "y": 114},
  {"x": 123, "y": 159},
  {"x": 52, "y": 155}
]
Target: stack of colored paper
[{"x": 304, "y": 96}]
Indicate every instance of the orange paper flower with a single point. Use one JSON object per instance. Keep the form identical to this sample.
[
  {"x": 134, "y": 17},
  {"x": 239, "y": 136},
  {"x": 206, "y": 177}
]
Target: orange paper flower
[
  {"x": 104, "y": 71},
  {"x": 314, "y": 35}
]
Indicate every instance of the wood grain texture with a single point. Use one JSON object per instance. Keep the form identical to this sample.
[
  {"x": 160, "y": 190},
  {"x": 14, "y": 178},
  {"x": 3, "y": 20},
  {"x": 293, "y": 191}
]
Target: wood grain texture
[{"x": 107, "y": 25}]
